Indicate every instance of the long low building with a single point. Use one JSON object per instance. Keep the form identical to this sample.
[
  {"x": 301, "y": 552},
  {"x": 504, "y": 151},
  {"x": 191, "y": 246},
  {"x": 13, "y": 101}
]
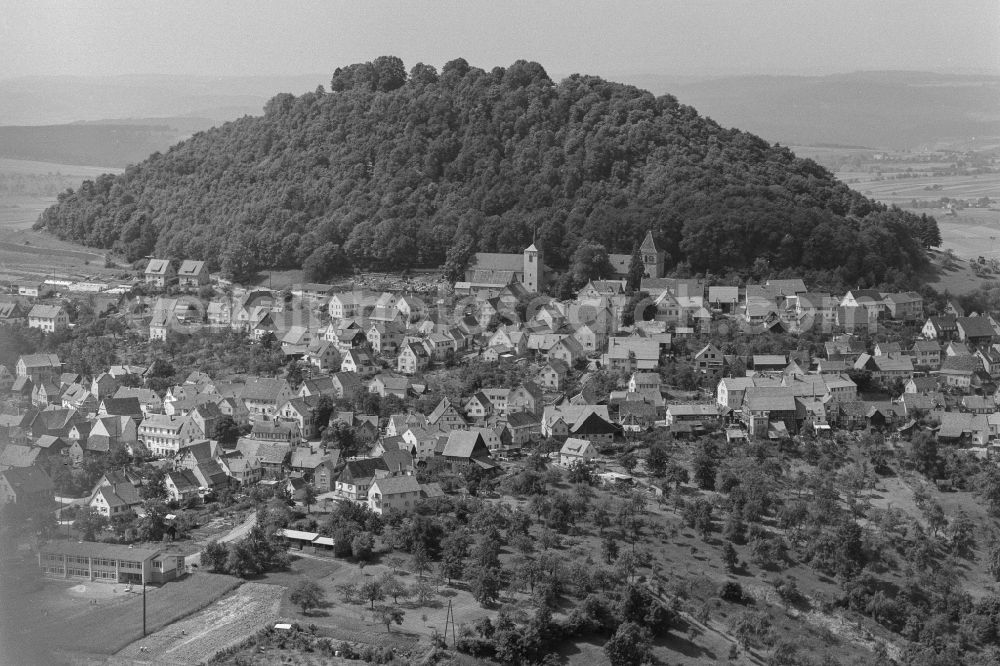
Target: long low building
[{"x": 111, "y": 563}]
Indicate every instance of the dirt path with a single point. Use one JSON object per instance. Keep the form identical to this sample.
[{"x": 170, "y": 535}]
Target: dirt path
[{"x": 197, "y": 639}]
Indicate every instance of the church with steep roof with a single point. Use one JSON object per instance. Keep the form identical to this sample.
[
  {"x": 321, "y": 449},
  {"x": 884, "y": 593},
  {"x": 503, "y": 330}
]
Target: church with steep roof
[
  {"x": 653, "y": 259},
  {"x": 493, "y": 271}
]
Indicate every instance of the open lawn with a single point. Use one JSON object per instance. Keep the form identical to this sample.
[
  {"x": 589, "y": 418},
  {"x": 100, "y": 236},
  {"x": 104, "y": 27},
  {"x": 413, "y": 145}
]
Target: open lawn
[
  {"x": 28, "y": 254},
  {"x": 956, "y": 276},
  {"x": 973, "y": 232},
  {"x": 353, "y": 622},
  {"x": 57, "y": 622}
]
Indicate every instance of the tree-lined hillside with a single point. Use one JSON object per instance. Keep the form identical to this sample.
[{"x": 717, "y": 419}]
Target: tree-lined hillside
[{"x": 396, "y": 169}]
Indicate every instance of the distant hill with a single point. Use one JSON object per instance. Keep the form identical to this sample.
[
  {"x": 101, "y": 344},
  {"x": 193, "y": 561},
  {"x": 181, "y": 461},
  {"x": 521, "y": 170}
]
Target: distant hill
[
  {"x": 895, "y": 110},
  {"x": 401, "y": 170},
  {"x": 117, "y": 121},
  {"x": 57, "y": 100},
  {"x": 112, "y": 144}
]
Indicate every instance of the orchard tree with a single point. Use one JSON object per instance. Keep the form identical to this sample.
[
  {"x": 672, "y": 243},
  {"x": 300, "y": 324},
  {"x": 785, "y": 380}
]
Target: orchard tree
[
  {"x": 227, "y": 431},
  {"x": 729, "y": 556},
  {"x": 628, "y": 462},
  {"x": 214, "y": 556},
  {"x": 705, "y": 467},
  {"x": 388, "y": 615},
  {"x": 309, "y": 496},
  {"x": 629, "y": 646},
  {"x": 307, "y": 595},
  {"x": 924, "y": 454},
  {"x": 372, "y": 591},
  {"x": 657, "y": 460},
  {"x": 89, "y": 523}
]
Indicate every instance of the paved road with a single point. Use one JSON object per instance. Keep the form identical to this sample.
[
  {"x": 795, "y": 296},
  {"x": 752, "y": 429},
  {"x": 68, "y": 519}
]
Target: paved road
[
  {"x": 237, "y": 532},
  {"x": 242, "y": 529}
]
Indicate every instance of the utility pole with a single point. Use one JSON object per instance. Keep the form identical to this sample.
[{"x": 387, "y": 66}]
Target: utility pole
[
  {"x": 450, "y": 617},
  {"x": 143, "y": 605}
]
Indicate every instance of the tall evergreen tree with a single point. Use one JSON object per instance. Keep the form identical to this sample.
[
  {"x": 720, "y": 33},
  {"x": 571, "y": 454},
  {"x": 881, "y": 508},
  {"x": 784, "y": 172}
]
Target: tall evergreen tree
[{"x": 636, "y": 269}]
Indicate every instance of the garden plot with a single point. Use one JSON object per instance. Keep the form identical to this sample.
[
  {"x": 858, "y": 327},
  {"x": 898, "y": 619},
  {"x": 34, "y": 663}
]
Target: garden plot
[{"x": 224, "y": 624}]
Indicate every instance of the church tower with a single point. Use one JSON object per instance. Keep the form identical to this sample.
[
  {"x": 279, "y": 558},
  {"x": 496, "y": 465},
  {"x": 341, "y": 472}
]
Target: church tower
[
  {"x": 652, "y": 257},
  {"x": 534, "y": 269}
]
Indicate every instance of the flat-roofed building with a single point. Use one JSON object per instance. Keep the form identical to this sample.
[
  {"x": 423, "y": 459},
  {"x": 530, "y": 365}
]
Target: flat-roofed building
[{"x": 111, "y": 563}]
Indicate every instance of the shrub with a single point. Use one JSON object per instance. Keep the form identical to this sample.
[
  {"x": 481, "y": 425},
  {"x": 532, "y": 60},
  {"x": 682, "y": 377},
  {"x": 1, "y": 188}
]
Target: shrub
[{"x": 731, "y": 591}]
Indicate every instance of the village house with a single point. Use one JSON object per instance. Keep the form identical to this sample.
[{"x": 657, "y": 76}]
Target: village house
[
  {"x": 526, "y": 397},
  {"x": 385, "y": 339},
  {"x": 345, "y": 305},
  {"x": 886, "y": 368},
  {"x": 869, "y": 299},
  {"x": 724, "y": 298},
  {"x": 192, "y": 274},
  {"x": 264, "y": 395},
  {"x": 691, "y": 413},
  {"x": 568, "y": 350},
  {"x": 467, "y": 447},
  {"x": 590, "y": 422},
  {"x": 359, "y": 362},
  {"x": 301, "y": 411},
  {"x": 769, "y": 414},
  {"x": 39, "y": 367},
  {"x": 356, "y": 478},
  {"x": 181, "y": 485},
  {"x": 323, "y": 355},
  {"x": 163, "y": 435},
  {"x": 644, "y": 381},
  {"x": 385, "y": 385},
  {"x": 400, "y": 493},
  {"x": 576, "y": 450},
  {"x": 478, "y": 407},
  {"x": 159, "y": 273},
  {"x": 944, "y": 328},
  {"x": 959, "y": 372},
  {"x": 11, "y": 313},
  {"x": 975, "y": 331},
  {"x": 113, "y": 495},
  {"x": 27, "y": 487},
  {"x": 446, "y": 416},
  {"x": 553, "y": 374},
  {"x": 243, "y": 470},
  {"x": 926, "y": 354},
  {"x": 709, "y": 359},
  {"x": 906, "y": 306},
  {"x": 413, "y": 358},
  {"x": 48, "y": 318},
  {"x": 523, "y": 428}
]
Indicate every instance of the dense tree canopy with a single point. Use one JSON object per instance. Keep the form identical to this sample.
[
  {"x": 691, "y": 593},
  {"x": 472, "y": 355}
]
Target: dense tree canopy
[{"x": 397, "y": 170}]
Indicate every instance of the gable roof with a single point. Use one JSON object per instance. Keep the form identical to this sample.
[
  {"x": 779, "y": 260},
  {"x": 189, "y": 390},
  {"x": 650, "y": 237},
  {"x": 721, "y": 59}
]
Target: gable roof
[
  {"x": 41, "y": 360},
  {"x": 29, "y": 480},
  {"x": 975, "y": 327},
  {"x": 191, "y": 268},
  {"x": 45, "y": 311},
  {"x": 364, "y": 468},
  {"x": 463, "y": 443},
  {"x": 574, "y": 446},
  {"x": 119, "y": 493},
  {"x": 15, "y": 455},
  {"x": 393, "y": 485},
  {"x": 157, "y": 267}
]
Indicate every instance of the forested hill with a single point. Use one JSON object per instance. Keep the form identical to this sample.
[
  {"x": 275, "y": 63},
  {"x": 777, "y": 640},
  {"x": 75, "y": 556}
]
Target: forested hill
[{"x": 415, "y": 169}]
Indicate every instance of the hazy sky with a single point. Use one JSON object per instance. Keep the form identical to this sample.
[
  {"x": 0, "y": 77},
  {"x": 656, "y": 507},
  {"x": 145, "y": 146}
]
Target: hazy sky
[{"x": 670, "y": 37}]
